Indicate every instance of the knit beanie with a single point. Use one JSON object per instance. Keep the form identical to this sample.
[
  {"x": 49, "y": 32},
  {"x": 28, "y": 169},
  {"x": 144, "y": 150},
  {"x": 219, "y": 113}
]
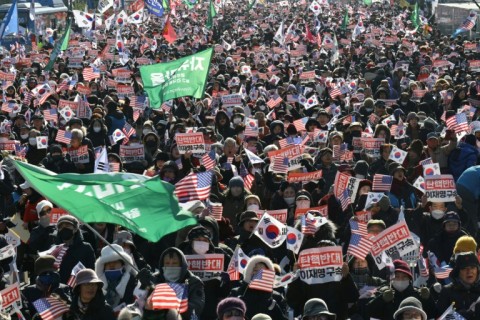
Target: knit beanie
[
  {"x": 236, "y": 182},
  {"x": 465, "y": 244},
  {"x": 230, "y": 304}
]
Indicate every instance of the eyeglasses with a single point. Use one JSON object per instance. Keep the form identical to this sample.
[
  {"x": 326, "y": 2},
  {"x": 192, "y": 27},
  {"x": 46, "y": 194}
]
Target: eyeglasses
[{"x": 233, "y": 313}]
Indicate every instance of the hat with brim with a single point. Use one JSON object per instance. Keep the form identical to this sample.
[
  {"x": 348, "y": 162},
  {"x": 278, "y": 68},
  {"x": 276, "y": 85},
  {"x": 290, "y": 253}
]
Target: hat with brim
[
  {"x": 87, "y": 276},
  {"x": 409, "y": 304}
]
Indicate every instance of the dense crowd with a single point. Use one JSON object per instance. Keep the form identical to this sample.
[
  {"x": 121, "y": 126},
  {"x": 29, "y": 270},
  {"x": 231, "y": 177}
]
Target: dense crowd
[{"x": 371, "y": 94}]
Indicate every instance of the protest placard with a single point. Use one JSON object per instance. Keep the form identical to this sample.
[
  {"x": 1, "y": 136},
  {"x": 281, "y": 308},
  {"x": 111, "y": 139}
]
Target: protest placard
[
  {"x": 193, "y": 142},
  {"x": 320, "y": 265}
]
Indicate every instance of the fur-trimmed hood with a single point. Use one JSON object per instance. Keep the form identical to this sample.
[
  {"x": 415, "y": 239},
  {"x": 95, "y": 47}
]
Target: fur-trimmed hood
[
  {"x": 247, "y": 275},
  {"x": 109, "y": 255}
]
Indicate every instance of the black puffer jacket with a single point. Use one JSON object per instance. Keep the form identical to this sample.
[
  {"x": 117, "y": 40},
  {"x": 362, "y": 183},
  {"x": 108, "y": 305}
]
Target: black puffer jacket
[
  {"x": 462, "y": 296},
  {"x": 78, "y": 251}
]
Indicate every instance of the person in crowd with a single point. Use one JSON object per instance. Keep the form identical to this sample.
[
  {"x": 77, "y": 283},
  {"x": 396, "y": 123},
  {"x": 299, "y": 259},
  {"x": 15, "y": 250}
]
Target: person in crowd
[
  {"x": 389, "y": 298},
  {"x": 115, "y": 268},
  {"x": 464, "y": 290},
  {"x": 231, "y": 308},
  {"x": 88, "y": 301}
]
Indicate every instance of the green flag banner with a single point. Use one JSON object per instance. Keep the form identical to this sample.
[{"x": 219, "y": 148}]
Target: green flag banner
[
  {"x": 145, "y": 206},
  {"x": 212, "y": 13},
  {"x": 414, "y": 16},
  {"x": 59, "y": 46},
  {"x": 345, "y": 21},
  {"x": 183, "y": 77}
]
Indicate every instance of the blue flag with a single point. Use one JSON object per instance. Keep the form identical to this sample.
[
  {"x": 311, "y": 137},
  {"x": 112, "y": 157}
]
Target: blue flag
[
  {"x": 10, "y": 22},
  {"x": 154, "y": 7}
]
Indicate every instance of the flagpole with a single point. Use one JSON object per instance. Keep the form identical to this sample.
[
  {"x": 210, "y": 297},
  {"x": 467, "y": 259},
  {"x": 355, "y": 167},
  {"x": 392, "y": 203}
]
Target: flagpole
[{"x": 110, "y": 245}]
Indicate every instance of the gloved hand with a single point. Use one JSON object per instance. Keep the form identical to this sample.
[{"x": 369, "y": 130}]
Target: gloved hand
[
  {"x": 388, "y": 295},
  {"x": 424, "y": 293},
  {"x": 145, "y": 277}
]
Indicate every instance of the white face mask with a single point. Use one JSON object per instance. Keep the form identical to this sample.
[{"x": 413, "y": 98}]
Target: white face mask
[
  {"x": 253, "y": 207},
  {"x": 32, "y": 141},
  {"x": 303, "y": 204},
  {"x": 146, "y": 131},
  {"x": 437, "y": 214},
  {"x": 172, "y": 274},
  {"x": 237, "y": 120},
  {"x": 200, "y": 247},
  {"x": 259, "y": 171},
  {"x": 400, "y": 285},
  {"x": 289, "y": 201},
  {"x": 24, "y": 136},
  {"x": 97, "y": 129},
  {"x": 44, "y": 221}
]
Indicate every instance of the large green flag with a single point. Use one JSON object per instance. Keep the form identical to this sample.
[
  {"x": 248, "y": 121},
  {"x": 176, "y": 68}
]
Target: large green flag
[
  {"x": 415, "y": 17},
  {"x": 179, "y": 78},
  {"x": 367, "y": 2},
  {"x": 145, "y": 206},
  {"x": 345, "y": 21},
  {"x": 212, "y": 13},
  {"x": 60, "y": 46},
  {"x": 251, "y": 4}
]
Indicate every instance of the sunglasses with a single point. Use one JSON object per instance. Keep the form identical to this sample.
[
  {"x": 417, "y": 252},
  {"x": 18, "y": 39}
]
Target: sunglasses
[{"x": 44, "y": 212}]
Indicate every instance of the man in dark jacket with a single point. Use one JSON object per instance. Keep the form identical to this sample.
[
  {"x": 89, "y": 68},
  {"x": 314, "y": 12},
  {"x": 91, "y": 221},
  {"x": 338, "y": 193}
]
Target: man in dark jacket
[
  {"x": 464, "y": 290},
  {"x": 174, "y": 269},
  {"x": 199, "y": 241},
  {"x": 77, "y": 250}
]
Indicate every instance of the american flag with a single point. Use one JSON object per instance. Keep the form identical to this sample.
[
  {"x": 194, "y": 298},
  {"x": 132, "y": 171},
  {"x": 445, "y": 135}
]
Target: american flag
[
  {"x": 91, "y": 73},
  {"x": 170, "y": 296},
  {"x": 280, "y": 164},
  {"x": 128, "y": 130},
  {"x": 246, "y": 176},
  {"x": 345, "y": 199},
  {"x": 58, "y": 252},
  {"x": 50, "y": 308},
  {"x": 20, "y": 151},
  {"x": 360, "y": 242},
  {"x": 28, "y": 96},
  {"x": 382, "y": 183},
  {"x": 73, "y": 275},
  {"x": 195, "y": 186},
  {"x": 300, "y": 124},
  {"x": 442, "y": 272},
  {"x": 167, "y": 106},
  {"x": 308, "y": 224},
  {"x": 7, "y": 107},
  {"x": 422, "y": 266},
  {"x": 348, "y": 119},
  {"x": 209, "y": 160},
  {"x": 263, "y": 280},
  {"x": 458, "y": 123},
  {"x": 341, "y": 153},
  {"x": 272, "y": 103},
  {"x": 216, "y": 209},
  {"x": 51, "y": 115},
  {"x": 137, "y": 101},
  {"x": 335, "y": 92},
  {"x": 64, "y": 136},
  {"x": 136, "y": 114}
]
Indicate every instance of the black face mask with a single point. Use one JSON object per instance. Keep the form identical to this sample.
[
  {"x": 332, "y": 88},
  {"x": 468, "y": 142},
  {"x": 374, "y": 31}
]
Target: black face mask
[
  {"x": 65, "y": 234},
  {"x": 356, "y": 134},
  {"x": 151, "y": 143},
  {"x": 57, "y": 158}
]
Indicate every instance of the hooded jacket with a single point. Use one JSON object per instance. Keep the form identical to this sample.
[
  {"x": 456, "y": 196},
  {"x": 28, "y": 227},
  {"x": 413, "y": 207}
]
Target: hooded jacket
[
  {"x": 196, "y": 293},
  {"x": 126, "y": 285},
  {"x": 78, "y": 251},
  {"x": 226, "y": 130},
  {"x": 270, "y": 303}
]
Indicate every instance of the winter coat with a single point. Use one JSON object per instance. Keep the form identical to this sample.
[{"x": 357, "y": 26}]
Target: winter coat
[
  {"x": 464, "y": 158},
  {"x": 41, "y": 238},
  {"x": 97, "y": 308},
  {"x": 123, "y": 287},
  {"x": 463, "y": 298},
  {"x": 78, "y": 251},
  {"x": 337, "y": 295},
  {"x": 443, "y": 243},
  {"x": 270, "y": 303},
  {"x": 196, "y": 292},
  {"x": 378, "y": 308},
  {"x": 402, "y": 193},
  {"x": 31, "y": 294}
]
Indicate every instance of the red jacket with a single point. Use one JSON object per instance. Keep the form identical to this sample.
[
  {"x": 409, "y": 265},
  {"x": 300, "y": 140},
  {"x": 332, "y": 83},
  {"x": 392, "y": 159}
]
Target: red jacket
[{"x": 30, "y": 213}]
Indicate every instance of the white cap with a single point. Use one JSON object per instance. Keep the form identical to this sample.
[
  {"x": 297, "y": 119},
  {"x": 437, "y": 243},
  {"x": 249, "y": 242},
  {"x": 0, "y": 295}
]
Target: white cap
[
  {"x": 42, "y": 204},
  {"x": 25, "y": 185}
]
